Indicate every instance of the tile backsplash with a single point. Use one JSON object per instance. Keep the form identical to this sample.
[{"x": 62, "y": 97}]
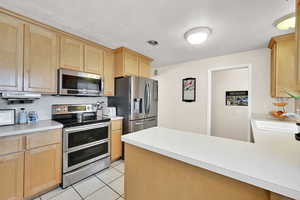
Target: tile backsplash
[{"x": 43, "y": 105}]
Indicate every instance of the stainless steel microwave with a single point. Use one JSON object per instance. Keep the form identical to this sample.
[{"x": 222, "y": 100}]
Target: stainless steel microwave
[{"x": 74, "y": 83}]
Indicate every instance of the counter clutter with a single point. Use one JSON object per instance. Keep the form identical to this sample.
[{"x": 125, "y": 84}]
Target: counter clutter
[{"x": 275, "y": 169}]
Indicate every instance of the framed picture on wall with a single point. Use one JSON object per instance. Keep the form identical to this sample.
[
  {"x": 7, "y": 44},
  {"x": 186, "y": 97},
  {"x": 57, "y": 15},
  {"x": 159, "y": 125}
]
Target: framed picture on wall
[{"x": 189, "y": 89}]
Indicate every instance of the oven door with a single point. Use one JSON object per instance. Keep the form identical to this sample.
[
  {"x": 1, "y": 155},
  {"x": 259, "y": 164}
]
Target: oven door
[
  {"x": 85, "y": 144},
  {"x": 79, "y": 83},
  {"x": 82, "y": 157}
]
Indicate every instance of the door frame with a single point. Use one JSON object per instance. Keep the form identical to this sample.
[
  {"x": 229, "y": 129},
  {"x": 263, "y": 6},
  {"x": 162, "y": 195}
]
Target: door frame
[{"x": 209, "y": 102}]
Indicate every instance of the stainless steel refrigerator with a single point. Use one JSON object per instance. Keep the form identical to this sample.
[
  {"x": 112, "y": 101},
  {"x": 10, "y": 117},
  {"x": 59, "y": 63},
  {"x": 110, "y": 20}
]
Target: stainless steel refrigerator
[{"x": 136, "y": 100}]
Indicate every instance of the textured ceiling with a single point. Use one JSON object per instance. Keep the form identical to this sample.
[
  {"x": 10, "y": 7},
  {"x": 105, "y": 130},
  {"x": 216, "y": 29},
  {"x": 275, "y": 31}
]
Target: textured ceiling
[{"x": 238, "y": 25}]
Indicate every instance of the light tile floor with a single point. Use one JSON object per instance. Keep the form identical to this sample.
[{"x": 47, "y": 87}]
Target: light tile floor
[{"x": 106, "y": 185}]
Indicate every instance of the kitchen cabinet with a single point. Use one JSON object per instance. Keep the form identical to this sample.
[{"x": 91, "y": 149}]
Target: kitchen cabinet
[
  {"x": 283, "y": 65},
  {"x": 116, "y": 143},
  {"x": 71, "y": 54},
  {"x": 109, "y": 77},
  {"x": 42, "y": 169},
  {"x": 130, "y": 63},
  {"x": 93, "y": 60},
  {"x": 30, "y": 164},
  {"x": 144, "y": 67},
  {"x": 11, "y": 173},
  {"x": 40, "y": 59},
  {"x": 43, "y": 160},
  {"x": 11, "y": 53}
]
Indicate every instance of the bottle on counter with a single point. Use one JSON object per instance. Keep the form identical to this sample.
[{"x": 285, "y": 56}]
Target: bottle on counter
[
  {"x": 23, "y": 118},
  {"x": 32, "y": 116}
]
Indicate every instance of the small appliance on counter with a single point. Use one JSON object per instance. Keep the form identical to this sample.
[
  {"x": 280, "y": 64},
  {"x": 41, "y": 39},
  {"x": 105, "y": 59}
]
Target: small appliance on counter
[
  {"x": 86, "y": 141},
  {"x": 7, "y": 117},
  {"x": 110, "y": 112}
]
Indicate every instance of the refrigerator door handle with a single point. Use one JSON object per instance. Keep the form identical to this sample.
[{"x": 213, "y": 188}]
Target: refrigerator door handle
[
  {"x": 145, "y": 99},
  {"x": 149, "y": 98}
]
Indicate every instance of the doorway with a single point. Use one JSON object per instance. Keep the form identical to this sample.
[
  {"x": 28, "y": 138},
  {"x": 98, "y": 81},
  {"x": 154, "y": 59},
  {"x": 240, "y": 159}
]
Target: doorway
[{"x": 229, "y": 102}]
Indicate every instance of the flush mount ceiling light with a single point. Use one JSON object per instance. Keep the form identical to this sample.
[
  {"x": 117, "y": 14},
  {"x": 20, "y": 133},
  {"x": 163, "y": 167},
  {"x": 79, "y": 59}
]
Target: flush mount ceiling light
[
  {"x": 287, "y": 22},
  {"x": 197, "y": 35},
  {"x": 152, "y": 42}
]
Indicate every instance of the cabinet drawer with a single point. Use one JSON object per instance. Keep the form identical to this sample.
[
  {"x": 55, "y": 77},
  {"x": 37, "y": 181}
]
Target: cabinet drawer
[
  {"x": 12, "y": 144},
  {"x": 43, "y": 138},
  {"x": 116, "y": 125}
]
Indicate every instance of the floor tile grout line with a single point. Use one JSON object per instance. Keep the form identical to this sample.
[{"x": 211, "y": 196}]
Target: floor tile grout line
[
  {"x": 77, "y": 192},
  {"x": 110, "y": 186},
  {"x": 62, "y": 191},
  {"x": 105, "y": 185}
]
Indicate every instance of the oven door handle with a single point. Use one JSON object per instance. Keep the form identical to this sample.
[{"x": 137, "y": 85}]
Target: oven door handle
[
  {"x": 85, "y": 127},
  {"x": 81, "y": 147}
]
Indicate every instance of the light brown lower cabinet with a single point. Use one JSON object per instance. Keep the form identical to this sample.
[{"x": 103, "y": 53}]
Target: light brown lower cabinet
[
  {"x": 11, "y": 175},
  {"x": 42, "y": 169},
  {"x": 116, "y": 143},
  {"x": 116, "y": 148}
]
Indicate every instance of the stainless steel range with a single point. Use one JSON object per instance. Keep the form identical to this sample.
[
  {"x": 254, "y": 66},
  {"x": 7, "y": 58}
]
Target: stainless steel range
[{"x": 86, "y": 141}]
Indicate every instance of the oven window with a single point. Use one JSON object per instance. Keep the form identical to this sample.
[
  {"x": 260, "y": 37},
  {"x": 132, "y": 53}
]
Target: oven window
[
  {"x": 86, "y": 154},
  {"x": 87, "y": 136},
  {"x": 75, "y": 83}
]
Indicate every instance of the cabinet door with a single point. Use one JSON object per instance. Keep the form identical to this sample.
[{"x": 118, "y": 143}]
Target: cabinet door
[
  {"x": 286, "y": 72},
  {"x": 71, "y": 54},
  {"x": 116, "y": 145},
  {"x": 42, "y": 169},
  {"x": 109, "y": 78},
  {"x": 93, "y": 60},
  {"x": 40, "y": 60},
  {"x": 11, "y": 173},
  {"x": 11, "y": 53},
  {"x": 131, "y": 64},
  {"x": 144, "y": 68}
]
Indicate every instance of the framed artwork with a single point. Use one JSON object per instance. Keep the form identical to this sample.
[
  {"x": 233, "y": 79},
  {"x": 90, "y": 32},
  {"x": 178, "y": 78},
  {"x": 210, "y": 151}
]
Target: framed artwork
[
  {"x": 189, "y": 89},
  {"x": 237, "y": 98}
]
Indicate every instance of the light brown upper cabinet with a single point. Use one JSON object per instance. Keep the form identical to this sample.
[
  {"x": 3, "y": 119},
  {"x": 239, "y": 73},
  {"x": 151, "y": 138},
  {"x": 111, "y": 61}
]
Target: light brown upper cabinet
[
  {"x": 283, "y": 65},
  {"x": 71, "y": 54},
  {"x": 109, "y": 76},
  {"x": 144, "y": 67},
  {"x": 11, "y": 53},
  {"x": 128, "y": 62},
  {"x": 40, "y": 59},
  {"x": 93, "y": 60}
]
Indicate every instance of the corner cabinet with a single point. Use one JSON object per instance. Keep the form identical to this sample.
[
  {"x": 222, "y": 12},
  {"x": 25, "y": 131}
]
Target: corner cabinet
[
  {"x": 11, "y": 53},
  {"x": 283, "y": 65},
  {"x": 40, "y": 60},
  {"x": 71, "y": 54},
  {"x": 129, "y": 63},
  {"x": 108, "y": 74}
]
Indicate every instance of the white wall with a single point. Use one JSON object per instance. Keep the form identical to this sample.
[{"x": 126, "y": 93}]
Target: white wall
[
  {"x": 173, "y": 113},
  {"x": 43, "y": 105},
  {"x": 229, "y": 121}
]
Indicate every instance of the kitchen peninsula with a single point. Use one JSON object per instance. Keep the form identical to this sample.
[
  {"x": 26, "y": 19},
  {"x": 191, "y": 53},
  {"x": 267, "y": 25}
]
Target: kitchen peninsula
[{"x": 164, "y": 163}]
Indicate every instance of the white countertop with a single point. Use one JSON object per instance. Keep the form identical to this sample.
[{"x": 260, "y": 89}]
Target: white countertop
[
  {"x": 273, "y": 168},
  {"x": 21, "y": 129},
  {"x": 116, "y": 118}
]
